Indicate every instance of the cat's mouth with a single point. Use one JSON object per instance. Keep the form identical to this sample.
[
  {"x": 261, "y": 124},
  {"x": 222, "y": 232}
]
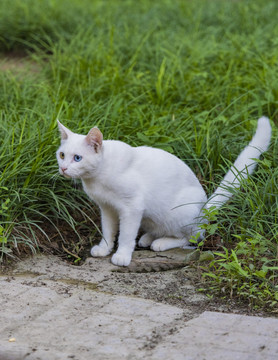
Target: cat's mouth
[{"x": 63, "y": 172}]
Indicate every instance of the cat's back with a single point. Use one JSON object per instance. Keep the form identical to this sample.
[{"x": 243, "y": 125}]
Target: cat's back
[
  {"x": 160, "y": 162},
  {"x": 157, "y": 156},
  {"x": 146, "y": 161}
]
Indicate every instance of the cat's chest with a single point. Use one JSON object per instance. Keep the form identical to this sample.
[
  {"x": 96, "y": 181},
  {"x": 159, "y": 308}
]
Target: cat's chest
[{"x": 100, "y": 193}]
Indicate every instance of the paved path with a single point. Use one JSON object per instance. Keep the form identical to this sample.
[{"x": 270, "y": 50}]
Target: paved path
[{"x": 46, "y": 318}]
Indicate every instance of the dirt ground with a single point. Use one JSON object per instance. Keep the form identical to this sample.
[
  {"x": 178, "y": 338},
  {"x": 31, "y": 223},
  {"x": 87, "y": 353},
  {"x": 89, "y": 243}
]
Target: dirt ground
[{"x": 167, "y": 277}]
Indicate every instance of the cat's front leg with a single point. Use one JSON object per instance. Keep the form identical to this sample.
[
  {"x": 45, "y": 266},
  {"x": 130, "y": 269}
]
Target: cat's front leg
[
  {"x": 129, "y": 226},
  {"x": 109, "y": 224}
]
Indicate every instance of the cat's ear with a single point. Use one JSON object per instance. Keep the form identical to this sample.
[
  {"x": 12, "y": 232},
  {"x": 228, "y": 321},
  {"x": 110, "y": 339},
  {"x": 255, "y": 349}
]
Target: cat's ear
[
  {"x": 94, "y": 138},
  {"x": 65, "y": 132}
]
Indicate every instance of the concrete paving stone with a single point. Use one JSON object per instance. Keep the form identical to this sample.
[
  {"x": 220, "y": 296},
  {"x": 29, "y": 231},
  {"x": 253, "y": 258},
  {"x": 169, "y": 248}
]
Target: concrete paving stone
[
  {"x": 85, "y": 323},
  {"x": 214, "y": 336},
  {"x": 51, "y": 313}
]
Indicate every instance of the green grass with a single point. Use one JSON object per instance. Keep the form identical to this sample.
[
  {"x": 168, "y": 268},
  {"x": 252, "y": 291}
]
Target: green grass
[{"x": 191, "y": 77}]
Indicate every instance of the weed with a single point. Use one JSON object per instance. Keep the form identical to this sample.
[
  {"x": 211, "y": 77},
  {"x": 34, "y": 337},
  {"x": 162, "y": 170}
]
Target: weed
[{"x": 246, "y": 272}]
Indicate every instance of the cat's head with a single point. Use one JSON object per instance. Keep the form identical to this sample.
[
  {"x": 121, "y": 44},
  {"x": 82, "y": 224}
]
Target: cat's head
[{"x": 79, "y": 156}]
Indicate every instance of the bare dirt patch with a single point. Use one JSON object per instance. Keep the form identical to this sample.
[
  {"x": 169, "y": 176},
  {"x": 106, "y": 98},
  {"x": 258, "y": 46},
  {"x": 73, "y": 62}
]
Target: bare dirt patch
[
  {"x": 168, "y": 277},
  {"x": 18, "y": 63}
]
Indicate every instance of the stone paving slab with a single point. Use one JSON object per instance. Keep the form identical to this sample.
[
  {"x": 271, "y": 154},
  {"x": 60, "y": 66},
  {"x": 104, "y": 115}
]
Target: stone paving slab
[
  {"x": 215, "y": 336},
  {"x": 61, "y": 314},
  {"x": 77, "y": 323}
]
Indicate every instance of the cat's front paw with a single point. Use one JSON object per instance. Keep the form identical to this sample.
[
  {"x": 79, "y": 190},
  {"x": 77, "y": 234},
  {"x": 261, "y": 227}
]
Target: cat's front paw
[
  {"x": 100, "y": 251},
  {"x": 120, "y": 259}
]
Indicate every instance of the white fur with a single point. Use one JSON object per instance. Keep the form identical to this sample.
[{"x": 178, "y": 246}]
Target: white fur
[
  {"x": 146, "y": 188},
  {"x": 244, "y": 164}
]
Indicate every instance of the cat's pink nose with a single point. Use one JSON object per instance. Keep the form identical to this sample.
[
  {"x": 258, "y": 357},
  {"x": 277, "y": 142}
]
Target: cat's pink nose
[{"x": 64, "y": 169}]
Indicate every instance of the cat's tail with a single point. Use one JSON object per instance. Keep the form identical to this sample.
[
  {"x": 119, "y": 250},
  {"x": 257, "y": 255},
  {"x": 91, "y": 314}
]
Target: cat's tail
[{"x": 244, "y": 165}]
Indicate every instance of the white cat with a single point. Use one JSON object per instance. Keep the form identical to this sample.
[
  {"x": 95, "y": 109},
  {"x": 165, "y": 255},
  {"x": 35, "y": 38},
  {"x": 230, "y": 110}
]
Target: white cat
[{"x": 146, "y": 188}]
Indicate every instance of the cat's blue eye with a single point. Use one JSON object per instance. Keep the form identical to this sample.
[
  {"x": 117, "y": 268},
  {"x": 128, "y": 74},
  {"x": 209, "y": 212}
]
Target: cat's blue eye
[{"x": 77, "y": 158}]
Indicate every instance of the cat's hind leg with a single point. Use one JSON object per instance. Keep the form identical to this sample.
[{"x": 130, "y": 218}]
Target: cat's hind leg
[
  {"x": 145, "y": 240},
  {"x": 167, "y": 243}
]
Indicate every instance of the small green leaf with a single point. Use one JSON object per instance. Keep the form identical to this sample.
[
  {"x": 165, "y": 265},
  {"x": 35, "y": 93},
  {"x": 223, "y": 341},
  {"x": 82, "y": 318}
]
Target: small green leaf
[{"x": 261, "y": 273}]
